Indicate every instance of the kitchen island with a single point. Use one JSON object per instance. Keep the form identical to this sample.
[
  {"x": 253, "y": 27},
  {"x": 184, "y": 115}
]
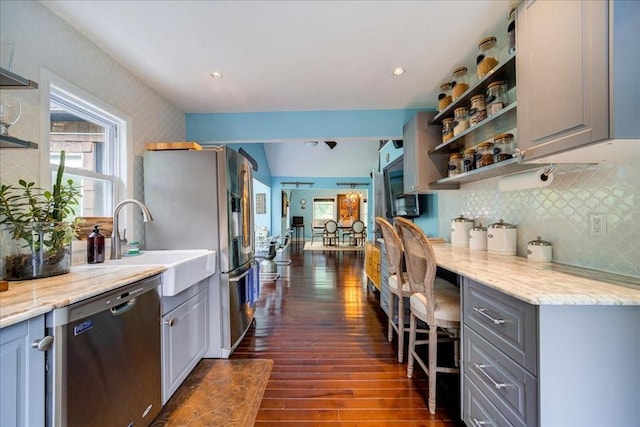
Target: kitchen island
[{"x": 545, "y": 344}]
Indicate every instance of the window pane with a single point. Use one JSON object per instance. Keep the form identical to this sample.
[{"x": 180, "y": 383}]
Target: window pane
[
  {"x": 323, "y": 209},
  {"x": 96, "y": 197},
  {"x": 81, "y": 139}
]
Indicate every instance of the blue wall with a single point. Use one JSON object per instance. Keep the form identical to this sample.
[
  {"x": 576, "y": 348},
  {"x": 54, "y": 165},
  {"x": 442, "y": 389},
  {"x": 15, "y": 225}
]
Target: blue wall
[{"x": 252, "y": 128}]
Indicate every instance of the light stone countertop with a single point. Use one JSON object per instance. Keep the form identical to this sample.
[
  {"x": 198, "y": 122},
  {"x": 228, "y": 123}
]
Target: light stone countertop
[
  {"x": 539, "y": 283},
  {"x": 30, "y": 298}
]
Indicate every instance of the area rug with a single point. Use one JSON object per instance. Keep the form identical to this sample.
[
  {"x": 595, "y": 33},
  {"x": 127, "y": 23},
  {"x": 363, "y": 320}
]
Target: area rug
[
  {"x": 218, "y": 393},
  {"x": 318, "y": 246}
]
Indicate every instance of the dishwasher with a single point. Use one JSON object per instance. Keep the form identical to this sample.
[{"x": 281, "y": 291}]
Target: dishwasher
[{"x": 104, "y": 367}]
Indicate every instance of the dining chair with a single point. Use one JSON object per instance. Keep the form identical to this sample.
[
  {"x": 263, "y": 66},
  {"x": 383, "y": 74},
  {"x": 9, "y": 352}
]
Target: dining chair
[
  {"x": 437, "y": 306},
  {"x": 355, "y": 234},
  {"x": 398, "y": 283},
  {"x": 316, "y": 231},
  {"x": 330, "y": 236}
]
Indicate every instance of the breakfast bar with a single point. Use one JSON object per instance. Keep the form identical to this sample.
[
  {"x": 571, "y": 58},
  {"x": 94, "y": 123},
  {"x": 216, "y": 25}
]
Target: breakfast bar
[{"x": 541, "y": 342}]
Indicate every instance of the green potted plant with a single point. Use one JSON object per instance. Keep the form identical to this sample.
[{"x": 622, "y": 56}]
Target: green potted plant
[{"x": 35, "y": 228}]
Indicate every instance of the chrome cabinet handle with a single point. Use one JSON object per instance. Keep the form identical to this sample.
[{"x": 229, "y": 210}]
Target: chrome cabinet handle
[
  {"x": 170, "y": 322},
  {"x": 496, "y": 384},
  {"x": 43, "y": 344},
  {"x": 477, "y": 422},
  {"x": 495, "y": 321}
]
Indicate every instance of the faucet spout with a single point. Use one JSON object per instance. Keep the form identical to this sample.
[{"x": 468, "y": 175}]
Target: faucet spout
[{"x": 116, "y": 252}]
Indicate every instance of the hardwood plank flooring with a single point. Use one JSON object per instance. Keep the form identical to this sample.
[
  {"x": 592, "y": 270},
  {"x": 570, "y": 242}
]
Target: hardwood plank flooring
[{"x": 332, "y": 363}]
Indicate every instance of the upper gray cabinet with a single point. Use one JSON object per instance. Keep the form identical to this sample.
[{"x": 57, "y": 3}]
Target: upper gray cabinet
[
  {"x": 577, "y": 71},
  {"x": 421, "y": 170}
]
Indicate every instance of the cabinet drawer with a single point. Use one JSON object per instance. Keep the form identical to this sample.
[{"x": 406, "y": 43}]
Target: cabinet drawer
[
  {"x": 508, "y": 385},
  {"x": 478, "y": 410},
  {"x": 385, "y": 298},
  {"x": 506, "y": 322}
]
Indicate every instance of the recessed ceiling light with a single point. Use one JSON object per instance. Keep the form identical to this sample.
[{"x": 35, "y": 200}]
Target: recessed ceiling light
[
  {"x": 398, "y": 71},
  {"x": 216, "y": 75}
]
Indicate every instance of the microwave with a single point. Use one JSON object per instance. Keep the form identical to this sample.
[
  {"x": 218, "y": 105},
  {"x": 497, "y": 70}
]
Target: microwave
[{"x": 397, "y": 202}]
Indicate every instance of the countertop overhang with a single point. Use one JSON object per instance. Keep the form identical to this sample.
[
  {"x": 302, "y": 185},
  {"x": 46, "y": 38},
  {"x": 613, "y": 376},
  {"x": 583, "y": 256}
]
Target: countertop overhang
[
  {"x": 539, "y": 283},
  {"x": 31, "y": 298}
]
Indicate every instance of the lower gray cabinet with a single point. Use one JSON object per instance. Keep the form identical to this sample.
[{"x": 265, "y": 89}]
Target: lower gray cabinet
[
  {"x": 184, "y": 336},
  {"x": 22, "y": 374},
  {"x": 548, "y": 365}
]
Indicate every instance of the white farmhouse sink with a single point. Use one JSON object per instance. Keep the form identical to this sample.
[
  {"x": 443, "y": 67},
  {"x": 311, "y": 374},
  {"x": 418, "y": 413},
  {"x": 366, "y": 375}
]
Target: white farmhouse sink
[{"x": 184, "y": 267}]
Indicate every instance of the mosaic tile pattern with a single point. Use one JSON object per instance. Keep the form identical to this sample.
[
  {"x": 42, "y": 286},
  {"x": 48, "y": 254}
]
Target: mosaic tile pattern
[
  {"x": 62, "y": 50},
  {"x": 560, "y": 213}
]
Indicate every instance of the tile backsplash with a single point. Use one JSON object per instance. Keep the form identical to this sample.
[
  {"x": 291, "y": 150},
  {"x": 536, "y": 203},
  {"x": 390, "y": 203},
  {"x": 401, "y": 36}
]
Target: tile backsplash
[{"x": 560, "y": 213}]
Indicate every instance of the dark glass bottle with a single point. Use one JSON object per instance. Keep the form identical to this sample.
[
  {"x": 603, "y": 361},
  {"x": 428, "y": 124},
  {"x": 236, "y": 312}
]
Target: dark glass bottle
[{"x": 95, "y": 247}]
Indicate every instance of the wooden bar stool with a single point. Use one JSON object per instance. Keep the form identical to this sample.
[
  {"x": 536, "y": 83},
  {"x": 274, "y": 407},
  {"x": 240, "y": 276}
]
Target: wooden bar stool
[{"x": 437, "y": 305}]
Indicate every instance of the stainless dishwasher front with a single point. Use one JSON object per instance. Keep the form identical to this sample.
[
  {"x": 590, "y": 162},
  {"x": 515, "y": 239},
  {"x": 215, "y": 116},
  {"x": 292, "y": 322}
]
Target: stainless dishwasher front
[{"x": 104, "y": 367}]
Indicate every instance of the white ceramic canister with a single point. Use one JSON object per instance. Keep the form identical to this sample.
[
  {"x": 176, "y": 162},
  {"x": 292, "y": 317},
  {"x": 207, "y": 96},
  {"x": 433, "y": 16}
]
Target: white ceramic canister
[
  {"x": 502, "y": 238},
  {"x": 460, "y": 227},
  {"x": 478, "y": 238},
  {"x": 539, "y": 250}
]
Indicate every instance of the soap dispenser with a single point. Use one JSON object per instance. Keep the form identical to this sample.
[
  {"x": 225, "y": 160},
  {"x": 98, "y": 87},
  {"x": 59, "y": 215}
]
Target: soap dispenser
[{"x": 95, "y": 247}]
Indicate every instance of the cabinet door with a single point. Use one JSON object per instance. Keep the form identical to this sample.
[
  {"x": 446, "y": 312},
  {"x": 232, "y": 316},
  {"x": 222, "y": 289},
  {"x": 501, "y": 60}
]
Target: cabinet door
[
  {"x": 22, "y": 374},
  {"x": 184, "y": 341},
  {"x": 562, "y": 73},
  {"x": 420, "y": 169}
]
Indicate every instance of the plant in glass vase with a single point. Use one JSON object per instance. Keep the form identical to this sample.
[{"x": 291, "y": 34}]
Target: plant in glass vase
[{"x": 36, "y": 232}]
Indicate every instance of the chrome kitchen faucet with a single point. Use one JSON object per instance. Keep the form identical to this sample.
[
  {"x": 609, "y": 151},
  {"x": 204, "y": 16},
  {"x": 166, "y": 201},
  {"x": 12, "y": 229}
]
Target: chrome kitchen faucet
[{"x": 116, "y": 252}]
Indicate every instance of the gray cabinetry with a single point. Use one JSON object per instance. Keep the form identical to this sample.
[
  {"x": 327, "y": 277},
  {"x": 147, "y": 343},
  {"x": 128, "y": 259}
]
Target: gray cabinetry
[
  {"x": 422, "y": 170},
  {"x": 184, "y": 335},
  {"x": 526, "y": 365},
  {"x": 577, "y": 69},
  {"x": 500, "y": 356},
  {"x": 385, "y": 294},
  {"x": 22, "y": 374}
]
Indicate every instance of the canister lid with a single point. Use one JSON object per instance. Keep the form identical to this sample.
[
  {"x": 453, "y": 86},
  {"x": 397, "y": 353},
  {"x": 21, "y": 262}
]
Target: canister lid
[
  {"x": 461, "y": 111},
  {"x": 445, "y": 86},
  {"x": 539, "y": 242},
  {"x": 502, "y": 224},
  {"x": 479, "y": 227},
  {"x": 447, "y": 120},
  {"x": 461, "y": 219},
  {"x": 496, "y": 83},
  {"x": 477, "y": 97},
  {"x": 470, "y": 151},
  {"x": 485, "y": 144},
  {"x": 461, "y": 69},
  {"x": 455, "y": 156},
  {"x": 507, "y": 137},
  {"x": 488, "y": 41}
]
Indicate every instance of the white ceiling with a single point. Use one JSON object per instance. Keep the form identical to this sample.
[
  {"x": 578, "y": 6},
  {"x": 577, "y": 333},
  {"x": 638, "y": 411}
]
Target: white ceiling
[{"x": 290, "y": 55}]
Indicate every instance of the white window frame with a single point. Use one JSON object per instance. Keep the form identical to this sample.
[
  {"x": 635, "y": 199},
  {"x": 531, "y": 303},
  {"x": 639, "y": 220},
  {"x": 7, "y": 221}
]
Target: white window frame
[{"x": 123, "y": 153}]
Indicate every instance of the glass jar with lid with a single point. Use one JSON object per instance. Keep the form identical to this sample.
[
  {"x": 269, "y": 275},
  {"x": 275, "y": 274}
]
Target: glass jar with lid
[
  {"x": 461, "y": 120},
  {"x": 455, "y": 164},
  {"x": 487, "y": 57},
  {"x": 497, "y": 97},
  {"x": 444, "y": 97},
  {"x": 503, "y": 147},
  {"x": 469, "y": 160},
  {"x": 511, "y": 31},
  {"x": 460, "y": 82},
  {"x": 485, "y": 154},
  {"x": 478, "y": 111},
  {"x": 447, "y": 129}
]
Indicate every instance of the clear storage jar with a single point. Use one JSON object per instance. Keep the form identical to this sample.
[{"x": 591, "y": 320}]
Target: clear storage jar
[
  {"x": 444, "y": 97},
  {"x": 487, "y": 57},
  {"x": 447, "y": 129},
  {"x": 497, "y": 97},
  {"x": 503, "y": 147},
  {"x": 478, "y": 111},
  {"x": 485, "y": 154},
  {"x": 511, "y": 31},
  {"x": 469, "y": 160},
  {"x": 461, "y": 120},
  {"x": 455, "y": 164},
  {"x": 460, "y": 82}
]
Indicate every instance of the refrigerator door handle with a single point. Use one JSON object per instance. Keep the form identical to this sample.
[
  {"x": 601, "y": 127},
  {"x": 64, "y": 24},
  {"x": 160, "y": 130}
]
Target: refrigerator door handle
[{"x": 240, "y": 277}]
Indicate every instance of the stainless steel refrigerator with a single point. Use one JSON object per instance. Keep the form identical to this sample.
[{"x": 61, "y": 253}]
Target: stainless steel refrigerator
[{"x": 203, "y": 200}]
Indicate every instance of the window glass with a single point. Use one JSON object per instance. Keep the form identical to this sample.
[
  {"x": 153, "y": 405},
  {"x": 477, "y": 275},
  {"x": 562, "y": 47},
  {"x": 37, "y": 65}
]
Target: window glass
[
  {"x": 323, "y": 209},
  {"x": 89, "y": 142}
]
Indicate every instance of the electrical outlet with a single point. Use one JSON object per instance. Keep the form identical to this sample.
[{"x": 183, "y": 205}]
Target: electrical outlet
[{"x": 598, "y": 225}]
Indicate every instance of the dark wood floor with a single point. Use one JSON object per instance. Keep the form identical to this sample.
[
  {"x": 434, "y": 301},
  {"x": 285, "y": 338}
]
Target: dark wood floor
[{"x": 332, "y": 363}]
